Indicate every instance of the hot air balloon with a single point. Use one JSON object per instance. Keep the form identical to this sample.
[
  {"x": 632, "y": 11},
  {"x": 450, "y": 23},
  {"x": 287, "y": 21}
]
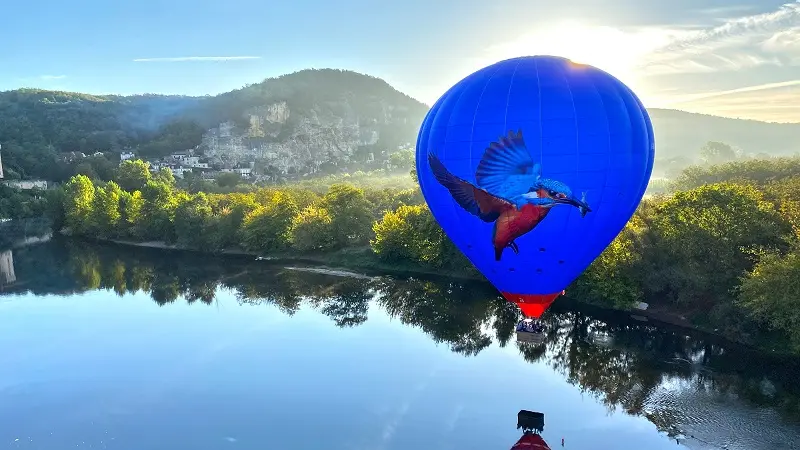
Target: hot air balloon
[{"x": 532, "y": 166}]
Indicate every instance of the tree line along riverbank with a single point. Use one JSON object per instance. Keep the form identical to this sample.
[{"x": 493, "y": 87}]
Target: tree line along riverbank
[{"x": 719, "y": 250}]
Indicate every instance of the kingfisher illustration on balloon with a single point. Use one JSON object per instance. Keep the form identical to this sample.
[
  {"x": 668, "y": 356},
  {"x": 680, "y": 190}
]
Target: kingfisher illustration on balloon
[
  {"x": 510, "y": 191},
  {"x": 532, "y": 166}
]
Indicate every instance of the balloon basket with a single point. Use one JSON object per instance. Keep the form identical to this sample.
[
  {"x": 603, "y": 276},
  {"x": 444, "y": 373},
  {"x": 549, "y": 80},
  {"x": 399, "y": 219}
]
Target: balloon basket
[
  {"x": 530, "y": 421},
  {"x": 530, "y": 331},
  {"x": 530, "y": 338}
]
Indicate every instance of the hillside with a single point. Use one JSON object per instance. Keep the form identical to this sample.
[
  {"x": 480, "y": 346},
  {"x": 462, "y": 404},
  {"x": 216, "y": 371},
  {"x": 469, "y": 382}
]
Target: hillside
[
  {"x": 307, "y": 122},
  {"x": 681, "y": 134},
  {"x": 312, "y": 122}
]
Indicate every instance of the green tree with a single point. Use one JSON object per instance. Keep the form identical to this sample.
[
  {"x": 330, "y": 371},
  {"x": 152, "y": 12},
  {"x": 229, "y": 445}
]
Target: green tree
[
  {"x": 131, "y": 212},
  {"x": 411, "y": 234},
  {"x": 228, "y": 179},
  {"x": 758, "y": 171},
  {"x": 192, "y": 220},
  {"x": 106, "y": 210},
  {"x": 267, "y": 228},
  {"x": 785, "y": 193},
  {"x": 717, "y": 153},
  {"x": 351, "y": 214},
  {"x": 133, "y": 175},
  {"x": 402, "y": 160},
  {"x": 770, "y": 293},
  {"x": 87, "y": 170},
  {"x": 312, "y": 230},
  {"x": 698, "y": 244},
  {"x": 78, "y": 202},
  {"x": 158, "y": 211},
  {"x": 232, "y": 210},
  {"x": 611, "y": 279},
  {"x": 165, "y": 175}
]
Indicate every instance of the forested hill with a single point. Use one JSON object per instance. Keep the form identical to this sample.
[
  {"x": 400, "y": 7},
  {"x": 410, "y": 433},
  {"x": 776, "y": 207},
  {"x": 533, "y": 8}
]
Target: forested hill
[
  {"x": 680, "y": 133},
  {"x": 298, "y": 120},
  {"x": 301, "y": 124}
]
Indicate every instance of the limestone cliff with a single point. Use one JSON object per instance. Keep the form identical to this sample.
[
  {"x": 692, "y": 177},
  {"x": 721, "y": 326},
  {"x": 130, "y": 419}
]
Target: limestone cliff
[{"x": 310, "y": 121}]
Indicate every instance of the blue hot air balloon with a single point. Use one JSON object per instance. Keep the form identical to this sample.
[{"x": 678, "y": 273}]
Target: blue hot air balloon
[{"x": 532, "y": 166}]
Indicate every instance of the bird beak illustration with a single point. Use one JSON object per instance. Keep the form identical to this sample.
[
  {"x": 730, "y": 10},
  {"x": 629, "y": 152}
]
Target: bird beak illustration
[{"x": 581, "y": 204}]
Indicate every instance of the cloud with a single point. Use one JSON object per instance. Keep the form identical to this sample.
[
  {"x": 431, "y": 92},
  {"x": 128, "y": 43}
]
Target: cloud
[
  {"x": 770, "y": 38},
  {"x": 724, "y": 10},
  {"x": 787, "y": 14},
  {"x": 783, "y": 41},
  {"x": 771, "y": 102},
  {"x": 197, "y": 58},
  {"x": 52, "y": 77},
  {"x": 742, "y": 90}
]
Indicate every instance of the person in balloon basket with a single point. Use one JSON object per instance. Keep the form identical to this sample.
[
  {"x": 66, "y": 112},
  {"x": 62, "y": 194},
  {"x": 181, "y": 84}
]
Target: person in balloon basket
[{"x": 530, "y": 326}]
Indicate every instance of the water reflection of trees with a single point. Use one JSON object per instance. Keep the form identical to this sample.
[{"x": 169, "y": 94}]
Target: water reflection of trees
[{"x": 623, "y": 363}]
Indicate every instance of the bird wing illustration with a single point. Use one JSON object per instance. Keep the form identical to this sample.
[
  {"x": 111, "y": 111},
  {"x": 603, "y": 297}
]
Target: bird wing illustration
[
  {"x": 473, "y": 199},
  {"x": 507, "y": 169}
]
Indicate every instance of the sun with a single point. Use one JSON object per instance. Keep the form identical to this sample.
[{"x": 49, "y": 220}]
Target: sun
[{"x": 620, "y": 53}]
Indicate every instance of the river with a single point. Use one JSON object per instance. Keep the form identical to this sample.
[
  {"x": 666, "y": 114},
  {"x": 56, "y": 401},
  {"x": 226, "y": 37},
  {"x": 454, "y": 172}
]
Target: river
[{"x": 109, "y": 347}]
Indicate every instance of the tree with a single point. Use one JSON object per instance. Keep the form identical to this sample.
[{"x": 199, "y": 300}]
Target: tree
[
  {"x": 411, "y": 234},
  {"x": 227, "y": 229},
  {"x": 267, "y": 228},
  {"x": 106, "y": 210},
  {"x": 351, "y": 214},
  {"x": 192, "y": 219},
  {"x": 228, "y": 179},
  {"x": 165, "y": 175},
  {"x": 611, "y": 279},
  {"x": 312, "y": 230},
  {"x": 131, "y": 212},
  {"x": 402, "y": 160},
  {"x": 697, "y": 244},
  {"x": 717, "y": 153},
  {"x": 86, "y": 169},
  {"x": 133, "y": 175},
  {"x": 770, "y": 293},
  {"x": 158, "y": 211},
  {"x": 78, "y": 203}
]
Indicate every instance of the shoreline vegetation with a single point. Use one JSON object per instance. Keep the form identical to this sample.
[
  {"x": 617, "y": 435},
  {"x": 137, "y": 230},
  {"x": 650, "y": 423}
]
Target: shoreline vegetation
[
  {"x": 718, "y": 252},
  {"x": 363, "y": 260}
]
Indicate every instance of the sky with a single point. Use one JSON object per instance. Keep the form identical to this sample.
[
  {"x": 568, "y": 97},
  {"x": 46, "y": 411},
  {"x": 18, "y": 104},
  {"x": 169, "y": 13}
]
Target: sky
[{"x": 734, "y": 58}]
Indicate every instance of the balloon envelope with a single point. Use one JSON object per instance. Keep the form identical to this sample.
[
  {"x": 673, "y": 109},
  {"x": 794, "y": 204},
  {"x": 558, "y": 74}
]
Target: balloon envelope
[{"x": 532, "y": 166}]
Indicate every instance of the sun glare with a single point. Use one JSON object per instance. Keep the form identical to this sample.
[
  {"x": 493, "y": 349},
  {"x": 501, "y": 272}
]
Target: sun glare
[{"x": 615, "y": 51}]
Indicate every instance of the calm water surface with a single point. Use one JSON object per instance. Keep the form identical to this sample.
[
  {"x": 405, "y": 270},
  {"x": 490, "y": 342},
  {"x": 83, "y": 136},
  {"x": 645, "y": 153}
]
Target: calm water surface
[{"x": 107, "y": 347}]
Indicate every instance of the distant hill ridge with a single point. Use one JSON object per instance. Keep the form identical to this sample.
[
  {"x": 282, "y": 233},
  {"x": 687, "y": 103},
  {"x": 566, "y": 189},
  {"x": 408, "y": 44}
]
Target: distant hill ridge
[{"x": 307, "y": 122}]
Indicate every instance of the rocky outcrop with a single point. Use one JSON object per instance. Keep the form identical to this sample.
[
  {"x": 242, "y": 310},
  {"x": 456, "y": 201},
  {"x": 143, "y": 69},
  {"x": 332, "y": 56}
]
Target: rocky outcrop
[{"x": 300, "y": 141}]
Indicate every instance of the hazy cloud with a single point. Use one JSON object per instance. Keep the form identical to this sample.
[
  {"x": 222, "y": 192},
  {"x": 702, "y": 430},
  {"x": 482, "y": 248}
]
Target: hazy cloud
[
  {"x": 786, "y": 15},
  {"x": 196, "y": 58},
  {"x": 784, "y": 42},
  {"x": 52, "y": 77},
  {"x": 771, "y": 38},
  {"x": 725, "y": 10},
  {"x": 746, "y": 89}
]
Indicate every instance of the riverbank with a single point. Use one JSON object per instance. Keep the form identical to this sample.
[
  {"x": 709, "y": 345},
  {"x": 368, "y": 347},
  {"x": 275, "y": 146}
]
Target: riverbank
[
  {"x": 363, "y": 259},
  {"x": 360, "y": 258}
]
